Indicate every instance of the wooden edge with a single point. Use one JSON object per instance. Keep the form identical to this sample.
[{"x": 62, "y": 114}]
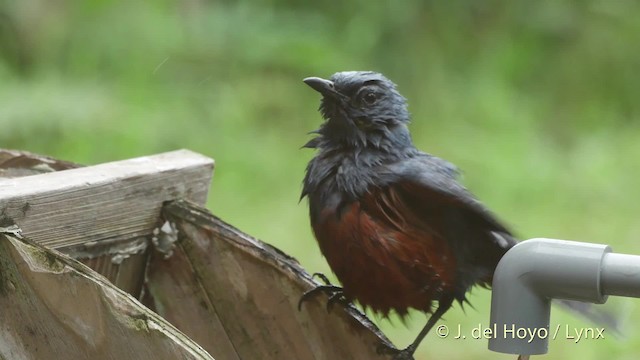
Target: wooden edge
[
  {"x": 106, "y": 202},
  {"x": 55, "y": 306},
  {"x": 285, "y": 265}
]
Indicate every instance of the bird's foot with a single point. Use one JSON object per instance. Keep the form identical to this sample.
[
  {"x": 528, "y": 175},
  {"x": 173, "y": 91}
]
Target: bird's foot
[
  {"x": 404, "y": 354},
  {"x": 335, "y": 293},
  {"x": 337, "y": 297},
  {"x": 322, "y": 277}
]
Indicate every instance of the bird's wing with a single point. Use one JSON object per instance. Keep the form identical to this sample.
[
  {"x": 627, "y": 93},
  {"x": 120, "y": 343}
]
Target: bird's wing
[
  {"x": 428, "y": 179},
  {"x": 432, "y": 219}
]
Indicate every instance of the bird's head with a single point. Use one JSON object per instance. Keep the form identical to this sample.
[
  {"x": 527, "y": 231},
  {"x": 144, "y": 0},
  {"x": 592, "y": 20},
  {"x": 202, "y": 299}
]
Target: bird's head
[{"x": 362, "y": 109}]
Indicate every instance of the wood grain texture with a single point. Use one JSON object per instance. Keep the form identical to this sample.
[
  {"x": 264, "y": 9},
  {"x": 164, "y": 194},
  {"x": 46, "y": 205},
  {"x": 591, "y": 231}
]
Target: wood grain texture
[
  {"x": 54, "y": 307},
  {"x": 173, "y": 289},
  {"x": 106, "y": 202},
  {"x": 250, "y": 290},
  {"x": 127, "y": 274}
]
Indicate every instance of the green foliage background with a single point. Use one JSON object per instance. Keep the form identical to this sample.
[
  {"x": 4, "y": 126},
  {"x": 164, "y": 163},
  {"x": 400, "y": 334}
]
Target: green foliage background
[{"x": 536, "y": 101}]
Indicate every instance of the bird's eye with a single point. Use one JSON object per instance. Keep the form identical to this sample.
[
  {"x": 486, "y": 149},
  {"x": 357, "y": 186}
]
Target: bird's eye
[{"x": 370, "y": 98}]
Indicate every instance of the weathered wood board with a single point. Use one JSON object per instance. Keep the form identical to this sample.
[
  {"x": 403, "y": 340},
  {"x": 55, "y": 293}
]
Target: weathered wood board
[
  {"x": 53, "y": 307},
  {"x": 111, "y": 244},
  {"x": 102, "y": 203},
  {"x": 238, "y": 297}
]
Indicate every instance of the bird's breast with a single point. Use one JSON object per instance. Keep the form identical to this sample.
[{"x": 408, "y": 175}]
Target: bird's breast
[{"x": 383, "y": 267}]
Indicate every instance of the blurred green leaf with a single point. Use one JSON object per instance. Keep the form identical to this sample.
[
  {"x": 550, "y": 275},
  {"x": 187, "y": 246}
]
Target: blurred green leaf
[{"x": 537, "y": 102}]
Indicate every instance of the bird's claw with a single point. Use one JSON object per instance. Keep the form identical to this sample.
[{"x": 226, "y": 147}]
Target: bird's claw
[
  {"x": 335, "y": 293},
  {"x": 332, "y": 290},
  {"x": 336, "y": 297},
  {"x": 322, "y": 277}
]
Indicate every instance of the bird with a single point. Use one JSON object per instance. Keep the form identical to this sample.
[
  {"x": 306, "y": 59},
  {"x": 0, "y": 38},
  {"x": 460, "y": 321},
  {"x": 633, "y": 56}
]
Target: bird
[{"x": 395, "y": 224}]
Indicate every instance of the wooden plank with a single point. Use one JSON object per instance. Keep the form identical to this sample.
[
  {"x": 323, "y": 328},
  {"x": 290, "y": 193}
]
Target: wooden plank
[
  {"x": 106, "y": 202},
  {"x": 251, "y": 291},
  {"x": 173, "y": 290},
  {"x": 128, "y": 274},
  {"x": 53, "y": 307}
]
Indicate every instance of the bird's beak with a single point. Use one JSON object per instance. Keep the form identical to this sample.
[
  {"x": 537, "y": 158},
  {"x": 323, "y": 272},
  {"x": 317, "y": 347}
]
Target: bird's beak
[{"x": 324, "y": 87}]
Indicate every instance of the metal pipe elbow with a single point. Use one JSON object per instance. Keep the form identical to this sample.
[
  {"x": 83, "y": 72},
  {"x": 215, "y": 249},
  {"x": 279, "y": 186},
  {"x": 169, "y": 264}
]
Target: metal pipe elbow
[{"x": 528, "y": 277}]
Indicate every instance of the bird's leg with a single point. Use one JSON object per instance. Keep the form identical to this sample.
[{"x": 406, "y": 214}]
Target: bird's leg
[
  {"x": 407, "y": 353},
  {"x": 334, "y": 292}
]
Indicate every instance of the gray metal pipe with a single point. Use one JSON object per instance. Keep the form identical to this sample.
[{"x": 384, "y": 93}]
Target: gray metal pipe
[
  {"x": 535, "y": 271},
  {"x": 621, "y": 275}
]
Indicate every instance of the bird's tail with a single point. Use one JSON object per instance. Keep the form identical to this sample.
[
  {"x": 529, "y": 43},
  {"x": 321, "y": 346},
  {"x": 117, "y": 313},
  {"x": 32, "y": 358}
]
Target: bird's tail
[{"x": 597, "y": 314}]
